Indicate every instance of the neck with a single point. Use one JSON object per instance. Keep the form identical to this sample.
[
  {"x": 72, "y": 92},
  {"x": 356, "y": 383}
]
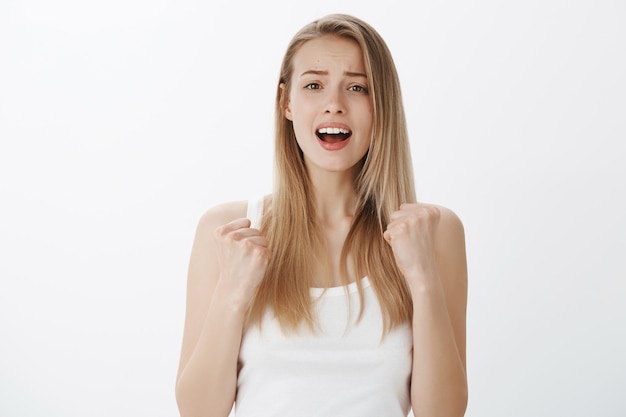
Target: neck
[{"x": 335, "y": 196}]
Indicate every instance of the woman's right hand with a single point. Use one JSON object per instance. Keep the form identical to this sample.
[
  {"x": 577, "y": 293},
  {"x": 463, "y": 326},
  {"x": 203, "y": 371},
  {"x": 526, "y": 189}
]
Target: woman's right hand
[
  {"x": 228, "y": 261},
  {"x": 243, "y": 257}
]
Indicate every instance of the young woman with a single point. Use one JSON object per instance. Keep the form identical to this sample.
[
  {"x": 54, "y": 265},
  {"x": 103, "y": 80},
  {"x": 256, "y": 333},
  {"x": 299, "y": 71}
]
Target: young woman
[{"x": 338, "y": 294}]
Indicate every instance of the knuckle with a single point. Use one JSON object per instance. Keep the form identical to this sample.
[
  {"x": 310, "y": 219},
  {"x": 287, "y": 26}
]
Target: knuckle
[
  {"x": 402, "y": 227},
  {"x": 412, "y": 219},
  {"x": 232, "y": 237},
  {"x": 220, "y": 232},
  {"x": 249, "y": 245},
  {"x": 260, "y": 254},
  {"x": 433, "y": 213},
  {"x": 432, "y": 210}
]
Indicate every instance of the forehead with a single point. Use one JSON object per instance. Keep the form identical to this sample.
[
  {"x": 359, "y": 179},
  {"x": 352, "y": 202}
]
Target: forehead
[{"x": 329, "y": 51}]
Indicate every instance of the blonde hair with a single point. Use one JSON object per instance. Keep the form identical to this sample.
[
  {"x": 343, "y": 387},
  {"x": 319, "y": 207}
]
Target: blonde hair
[{"x": 385, "y": 181}]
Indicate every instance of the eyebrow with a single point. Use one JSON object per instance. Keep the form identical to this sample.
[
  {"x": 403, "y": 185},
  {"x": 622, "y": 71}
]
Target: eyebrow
[{"x": 346, "y": 73}]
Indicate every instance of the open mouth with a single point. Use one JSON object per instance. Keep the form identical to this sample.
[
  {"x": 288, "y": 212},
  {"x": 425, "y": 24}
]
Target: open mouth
[{"x": 333, "y": 134}]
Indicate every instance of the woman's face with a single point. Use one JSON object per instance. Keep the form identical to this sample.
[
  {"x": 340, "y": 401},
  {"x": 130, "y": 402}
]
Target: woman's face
[{"x": 329, "y": 104}]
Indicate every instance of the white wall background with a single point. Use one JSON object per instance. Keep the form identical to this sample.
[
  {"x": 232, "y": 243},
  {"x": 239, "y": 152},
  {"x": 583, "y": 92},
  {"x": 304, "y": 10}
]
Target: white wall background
[{"x": 121, "y": 122}]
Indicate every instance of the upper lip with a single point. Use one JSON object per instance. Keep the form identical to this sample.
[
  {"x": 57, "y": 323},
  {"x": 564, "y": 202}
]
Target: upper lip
[{"x": 343, "y": 127}]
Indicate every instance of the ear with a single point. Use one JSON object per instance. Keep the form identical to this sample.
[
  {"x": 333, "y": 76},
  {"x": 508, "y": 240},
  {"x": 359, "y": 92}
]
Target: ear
[{"x": 284, "y": 99}]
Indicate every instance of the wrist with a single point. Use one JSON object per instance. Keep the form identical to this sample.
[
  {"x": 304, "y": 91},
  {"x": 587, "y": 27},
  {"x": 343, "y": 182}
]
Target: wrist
[
  {"x": 229, "y": 299},
  {"x": 423, "y": 282}
]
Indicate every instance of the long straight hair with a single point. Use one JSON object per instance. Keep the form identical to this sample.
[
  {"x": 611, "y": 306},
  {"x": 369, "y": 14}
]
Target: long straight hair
[{"x": 384, "y": 182}]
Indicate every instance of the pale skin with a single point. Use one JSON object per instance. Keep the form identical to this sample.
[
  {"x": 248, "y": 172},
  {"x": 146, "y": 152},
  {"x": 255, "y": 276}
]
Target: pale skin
[
  {"x": 429, "y": 247},
  {"x": 229, "y": 258}
]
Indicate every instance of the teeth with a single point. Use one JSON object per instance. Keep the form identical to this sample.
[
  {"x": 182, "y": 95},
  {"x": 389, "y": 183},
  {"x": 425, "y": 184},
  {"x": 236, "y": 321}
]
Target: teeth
[{"x": 333, "y": 131}]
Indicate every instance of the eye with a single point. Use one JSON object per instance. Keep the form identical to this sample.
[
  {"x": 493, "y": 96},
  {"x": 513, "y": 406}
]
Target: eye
[
  {"x": 312, "y": 86},
  {"x": 357, "y": 88}
]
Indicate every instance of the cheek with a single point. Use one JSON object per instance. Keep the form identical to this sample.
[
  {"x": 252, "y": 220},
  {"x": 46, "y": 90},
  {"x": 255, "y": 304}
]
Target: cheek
[
  {"x": 301, "y": 114},
  {"x": 365, "y": 148},
  {"x": 368, "y": 113},
  {"x": 368, "y": 120}
]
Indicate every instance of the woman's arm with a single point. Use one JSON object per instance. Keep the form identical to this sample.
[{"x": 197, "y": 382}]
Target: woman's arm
[
  {"x": 227, "y": 261},
  {"x": 430, "y": 250}
]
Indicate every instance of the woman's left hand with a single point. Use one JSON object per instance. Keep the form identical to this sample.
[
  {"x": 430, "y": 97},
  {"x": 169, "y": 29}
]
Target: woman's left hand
[
  {"x": 428, "y": 244},
  {"x": 411, "y": 235}
]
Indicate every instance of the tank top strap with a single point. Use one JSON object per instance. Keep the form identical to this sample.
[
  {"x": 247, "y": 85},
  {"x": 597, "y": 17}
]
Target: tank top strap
[{"x": 255, "y": 212}]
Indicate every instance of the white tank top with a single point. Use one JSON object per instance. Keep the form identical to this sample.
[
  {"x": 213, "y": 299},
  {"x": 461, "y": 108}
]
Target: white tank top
[{"x": 343, "y": 369}]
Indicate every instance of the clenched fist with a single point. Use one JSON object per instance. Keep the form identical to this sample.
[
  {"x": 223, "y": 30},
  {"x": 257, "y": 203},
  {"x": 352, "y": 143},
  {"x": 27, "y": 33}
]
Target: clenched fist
[
  {"x": 243, "y": 256},
  {"x": 411, "y": 234}
]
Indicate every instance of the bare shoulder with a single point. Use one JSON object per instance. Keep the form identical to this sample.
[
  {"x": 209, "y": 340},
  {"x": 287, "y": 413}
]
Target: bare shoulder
[
  {"x": 450, "y": 243},
  {"x": 209, "y": 221},
  {"x": 450, "y": 224},
  {"x": 203, "y": 271},
  {"x": 221, "y": 214}
]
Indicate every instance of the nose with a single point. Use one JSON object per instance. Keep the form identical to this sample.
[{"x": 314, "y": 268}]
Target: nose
[{"x": 334, "y": 102}]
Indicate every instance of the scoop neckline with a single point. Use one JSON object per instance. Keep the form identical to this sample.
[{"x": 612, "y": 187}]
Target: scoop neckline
[{"x": 340, "y": 290}]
